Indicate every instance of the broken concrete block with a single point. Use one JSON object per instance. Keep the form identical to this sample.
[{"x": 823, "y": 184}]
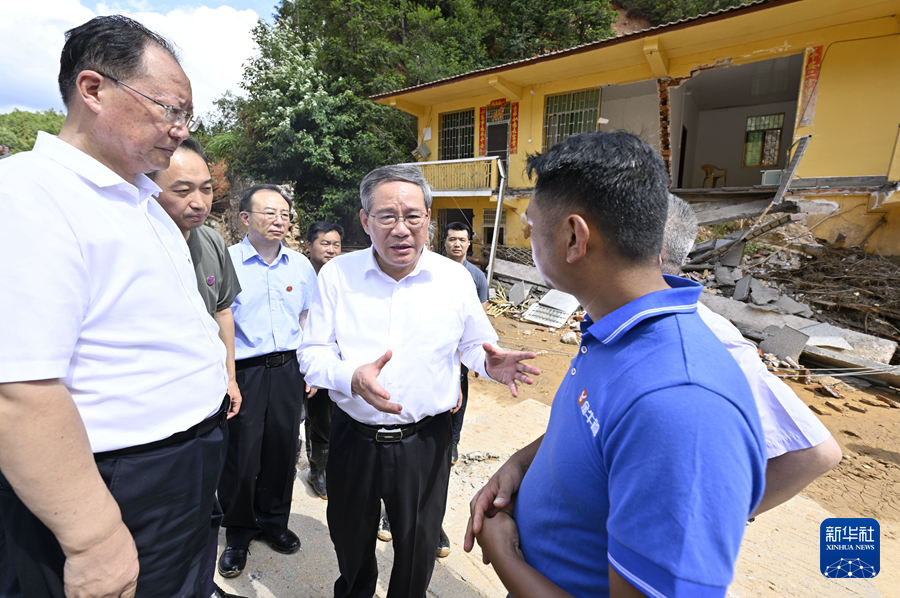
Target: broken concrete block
[
  {"x": 569, "y": 338},
  {"x": 828, "y": 336},
  {"x": 789, "y": 306},
  {"x": 786, "y": 343},
  {"x": 837, "y": 408},
  {"x": 761, "y": 294},
  {"x": 723, "y": 276},
  {"x": 742, "y": 288},
  {"x": 519, "y": 292},
  {"x": 733, "y": 256}
]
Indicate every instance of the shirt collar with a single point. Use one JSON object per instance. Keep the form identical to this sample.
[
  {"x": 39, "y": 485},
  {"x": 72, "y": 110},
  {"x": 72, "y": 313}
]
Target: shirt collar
[
  {"x": 681, "y": 298},
  {"x": 422, "y": 265},
  {"x": 248, "y": 251},
  {"x": 90, "y": 169}
]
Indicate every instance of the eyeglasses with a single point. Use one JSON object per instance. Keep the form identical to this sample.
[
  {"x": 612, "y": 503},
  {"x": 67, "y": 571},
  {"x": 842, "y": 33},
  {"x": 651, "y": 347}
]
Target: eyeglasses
[
  {"x": 174, "y": 115},
  {"x": 414, "y": 220},
  {"x": 271, "y": 216}
]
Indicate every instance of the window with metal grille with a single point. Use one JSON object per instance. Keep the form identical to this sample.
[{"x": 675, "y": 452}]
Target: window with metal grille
[
  {"x": 487, "y": 227},
  {"x": 457, "y": 135},
  {"x": 762, "y": 140},
  {"x": 570, "y": 113}
]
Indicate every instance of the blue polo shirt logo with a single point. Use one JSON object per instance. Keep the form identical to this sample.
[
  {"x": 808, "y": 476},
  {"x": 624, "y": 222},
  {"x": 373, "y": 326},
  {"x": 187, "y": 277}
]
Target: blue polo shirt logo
[
  {"x": 850, "y": 548},
  {"x": 587, "y": 413}
]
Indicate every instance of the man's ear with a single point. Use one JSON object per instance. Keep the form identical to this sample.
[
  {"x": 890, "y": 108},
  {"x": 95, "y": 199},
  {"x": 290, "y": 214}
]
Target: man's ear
[
  {"x": 364, "y": 220},
  {"x": 245, "y": 219},
  {"x": 578, "y": 233},
  {"x": 88, "y": 86}
]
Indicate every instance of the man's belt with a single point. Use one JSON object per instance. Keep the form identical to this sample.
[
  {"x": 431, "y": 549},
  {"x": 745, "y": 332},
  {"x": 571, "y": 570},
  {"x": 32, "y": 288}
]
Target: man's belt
[
  {"x": 389, "y": 434},
  {"x": 270, "y": 360},
  {"x": 205, "y": 427}
]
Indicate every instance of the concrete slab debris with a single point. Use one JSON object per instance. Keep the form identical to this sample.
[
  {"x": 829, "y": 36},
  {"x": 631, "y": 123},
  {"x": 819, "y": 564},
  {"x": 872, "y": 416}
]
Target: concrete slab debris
[
  {"x": 828, "y": 336},
  {"x": 787, "y": 342},
  {"x": 733, "y": 256},
  {"x": 559, "y": 300},
  {"x": 518, "y": 272},
  {"x": 519, "y": 292},
  {"x": 742, "y": 288},
  {"x": 723, "y": 276},
  {"x": 761, "y": 294},
  {"x": 787, "y": 305}
]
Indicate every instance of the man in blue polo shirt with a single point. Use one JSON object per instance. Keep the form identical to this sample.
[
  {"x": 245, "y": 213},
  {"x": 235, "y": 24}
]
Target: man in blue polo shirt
[{"x": 654, "y": 456}]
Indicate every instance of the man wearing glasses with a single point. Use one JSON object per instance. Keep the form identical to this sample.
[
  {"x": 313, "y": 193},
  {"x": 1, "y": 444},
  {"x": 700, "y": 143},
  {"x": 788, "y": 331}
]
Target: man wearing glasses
[
  {"x": 269, "y": 314},
  {"x": 112, "y": 374},
  {"x": 385, "y": 334}
]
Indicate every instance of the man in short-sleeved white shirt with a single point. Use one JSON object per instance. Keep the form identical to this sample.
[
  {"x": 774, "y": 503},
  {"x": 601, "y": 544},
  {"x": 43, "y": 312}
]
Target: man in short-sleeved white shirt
[{"x": 112, "y": 374}]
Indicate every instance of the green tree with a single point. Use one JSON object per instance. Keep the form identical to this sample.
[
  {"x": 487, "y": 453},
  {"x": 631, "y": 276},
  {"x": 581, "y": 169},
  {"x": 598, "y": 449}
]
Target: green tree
[
  {"x": 298, "y": 124},
  {"x": 19, "y": 128},
  {"x": 667, "y": 11}
]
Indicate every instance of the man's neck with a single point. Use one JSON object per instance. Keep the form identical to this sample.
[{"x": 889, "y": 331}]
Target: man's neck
[
  {"x": 461, "y": 260},
  {"x": 603, "y": 293},
  {"x": 317, "y": 266},
  {"x": 80, "y": 140},
  {"x": 398, "y": 273},
  {"x": 187, "y": 234},
  {"x": 267, "y": 250}
]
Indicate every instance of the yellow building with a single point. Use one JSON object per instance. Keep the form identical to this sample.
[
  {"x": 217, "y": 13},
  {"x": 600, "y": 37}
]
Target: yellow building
[{"x": 731, "y": 90}]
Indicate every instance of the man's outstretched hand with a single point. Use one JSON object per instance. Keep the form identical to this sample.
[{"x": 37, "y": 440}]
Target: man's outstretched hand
[
  {"x": 507, "y": 367},
  {"x": 365, "y": 384}
]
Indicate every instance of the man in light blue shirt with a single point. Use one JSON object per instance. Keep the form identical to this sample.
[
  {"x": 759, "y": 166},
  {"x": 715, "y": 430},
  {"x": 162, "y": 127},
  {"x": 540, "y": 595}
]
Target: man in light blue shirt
[{"x": 276, "y": 289}]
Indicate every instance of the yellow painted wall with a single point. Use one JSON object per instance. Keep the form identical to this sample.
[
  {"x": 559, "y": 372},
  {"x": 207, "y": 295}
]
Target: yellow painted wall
[
  {"x": 515, "y": 215},
  {"x": 853, "y": 220}
]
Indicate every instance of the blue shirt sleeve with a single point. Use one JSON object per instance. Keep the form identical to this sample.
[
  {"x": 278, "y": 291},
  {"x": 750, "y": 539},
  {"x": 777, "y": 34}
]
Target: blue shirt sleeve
[{"x": 681, "y": 488}]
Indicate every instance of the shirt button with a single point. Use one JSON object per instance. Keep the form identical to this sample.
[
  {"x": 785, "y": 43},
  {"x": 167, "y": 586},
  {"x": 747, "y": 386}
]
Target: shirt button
[
  {"x": 583, "y": 349},
  {"x": 573, "y": 371}
]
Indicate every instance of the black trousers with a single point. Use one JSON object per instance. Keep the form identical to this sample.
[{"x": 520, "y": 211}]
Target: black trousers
[
  {"x": 166, "y": 497},
  {"x": 459, "y": 415},
  {"x": 411, "y": 476},
  {"x": 258, "y": 477},
  {"x": 319, "y": 412}
]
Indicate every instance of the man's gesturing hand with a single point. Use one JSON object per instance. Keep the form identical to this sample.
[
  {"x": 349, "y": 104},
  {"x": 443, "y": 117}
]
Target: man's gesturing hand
[
  {"x": 365, "y": 384},
  {"x": 507, "y": 367}
]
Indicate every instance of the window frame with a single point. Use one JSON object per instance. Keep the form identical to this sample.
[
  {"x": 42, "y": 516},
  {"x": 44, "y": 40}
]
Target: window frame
[
  {"x": 574, "y": 105},
  {"x": 462, "y": 135},
  {"x": 764, "y": 130}
]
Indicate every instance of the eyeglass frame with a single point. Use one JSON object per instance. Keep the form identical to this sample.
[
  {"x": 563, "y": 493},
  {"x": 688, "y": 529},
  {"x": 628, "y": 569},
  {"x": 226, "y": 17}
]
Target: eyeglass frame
[
  {"x": 273, "y": 216},
  {"x": 398, "y": 219},
  {"x": 181, "y": 114}
]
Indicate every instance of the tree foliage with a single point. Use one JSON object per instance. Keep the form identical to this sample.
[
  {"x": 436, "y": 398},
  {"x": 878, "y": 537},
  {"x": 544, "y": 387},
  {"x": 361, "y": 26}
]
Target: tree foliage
[
  {"x": 19, "y": 128},
  {"x": 667, "y": 11}
]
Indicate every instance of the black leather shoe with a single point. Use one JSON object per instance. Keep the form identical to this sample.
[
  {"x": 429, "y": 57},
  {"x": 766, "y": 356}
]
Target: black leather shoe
[
  {"x": 232, "y": 561},
  {"x": 454, "y": 454},
  {"x": 286, "y": 542},
  {"x": 317, "y": 481},
  {"x": 443, "y": 548},
  {"x": 220, "y": 593}
]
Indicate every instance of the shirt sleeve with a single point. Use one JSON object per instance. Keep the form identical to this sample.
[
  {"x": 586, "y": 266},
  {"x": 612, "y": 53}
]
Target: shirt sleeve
[
  {"x": 319, "y": 355},
  {"x": 481, "y": 286},
  {"x": 681, "y": 488},
  {"x": 230, "y": 286},
  {"x": 47, "y": 291}
]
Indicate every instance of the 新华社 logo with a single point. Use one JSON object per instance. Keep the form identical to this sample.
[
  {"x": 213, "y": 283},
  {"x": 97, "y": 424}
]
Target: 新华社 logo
[{"x": 850, "y": 548}]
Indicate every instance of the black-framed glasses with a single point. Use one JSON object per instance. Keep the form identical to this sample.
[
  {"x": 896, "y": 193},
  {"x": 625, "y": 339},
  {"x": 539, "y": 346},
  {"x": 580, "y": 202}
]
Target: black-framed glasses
[
  {"x": 271, "y": 216},
  {"x": 174, "y": 115},
  {"x": 388, "y": 220}
]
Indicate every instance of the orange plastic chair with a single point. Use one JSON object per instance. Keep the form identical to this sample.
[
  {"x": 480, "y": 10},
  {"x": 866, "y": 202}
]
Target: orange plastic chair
[{"x": 712, "y": 177}]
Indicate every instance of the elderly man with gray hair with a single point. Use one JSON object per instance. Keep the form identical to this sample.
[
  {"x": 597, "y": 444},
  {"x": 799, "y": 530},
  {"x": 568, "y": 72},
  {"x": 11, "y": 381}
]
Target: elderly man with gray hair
[
  {"x": 386, "y": 332},
  {"x": 798, "y": 447}
]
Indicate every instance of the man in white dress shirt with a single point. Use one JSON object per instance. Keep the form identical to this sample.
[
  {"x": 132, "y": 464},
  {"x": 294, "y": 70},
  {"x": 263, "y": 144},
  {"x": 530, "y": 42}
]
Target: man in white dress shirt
[
  {"x": 798, "y": 447},
  {"x": 112, "y": 373},
  {"x": 385, "y": 334}
]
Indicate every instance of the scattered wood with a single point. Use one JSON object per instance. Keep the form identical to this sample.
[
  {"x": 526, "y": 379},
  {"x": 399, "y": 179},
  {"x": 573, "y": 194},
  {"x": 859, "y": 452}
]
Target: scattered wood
[
  {"x": 818, "y": 410},
  {"x": 872, "y": 403},
  {"x": 890, "y": 402},
  {"x": 855, "y": 408},
  {"x": 837, "y": 408}
]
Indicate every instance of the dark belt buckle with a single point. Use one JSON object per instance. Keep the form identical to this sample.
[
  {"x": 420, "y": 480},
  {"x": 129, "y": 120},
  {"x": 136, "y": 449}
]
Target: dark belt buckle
[
  {"x": 273, "y": 361},
  {"x": 385, "y": 435}
]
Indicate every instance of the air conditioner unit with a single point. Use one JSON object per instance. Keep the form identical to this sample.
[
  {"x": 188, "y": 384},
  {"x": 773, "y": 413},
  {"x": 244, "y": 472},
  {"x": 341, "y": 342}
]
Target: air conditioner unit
[
  {"x": 421, "y": 152},
  {"x": 771, "y": 177}
]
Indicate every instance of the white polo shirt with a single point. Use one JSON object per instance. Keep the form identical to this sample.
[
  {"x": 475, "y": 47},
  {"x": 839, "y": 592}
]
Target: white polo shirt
[
  {"x": 427, "y": 320},
  {"x": 100, "y": 293}
]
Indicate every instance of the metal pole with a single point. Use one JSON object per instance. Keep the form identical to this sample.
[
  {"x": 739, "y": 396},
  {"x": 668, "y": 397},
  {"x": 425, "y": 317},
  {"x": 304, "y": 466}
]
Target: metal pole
[{"x": 490, "y": 276}]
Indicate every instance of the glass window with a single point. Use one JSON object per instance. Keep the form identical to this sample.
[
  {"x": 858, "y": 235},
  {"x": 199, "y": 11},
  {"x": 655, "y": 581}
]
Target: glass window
[
  {"x": 762, "y": 140},
  {"x": 570, "y": 113},
  {"x": 457, "y": 135}
]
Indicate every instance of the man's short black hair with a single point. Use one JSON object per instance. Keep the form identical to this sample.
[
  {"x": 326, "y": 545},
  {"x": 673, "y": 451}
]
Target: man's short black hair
[
  {"x": 616, "y": 180},
  {"x": 246, "y": 203},
  {"x": 189, "y": 145},
  {"x": 113, "y": 45},
  {"x": 457, "y": 226},
  {"x": 323, "y": 228}
]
